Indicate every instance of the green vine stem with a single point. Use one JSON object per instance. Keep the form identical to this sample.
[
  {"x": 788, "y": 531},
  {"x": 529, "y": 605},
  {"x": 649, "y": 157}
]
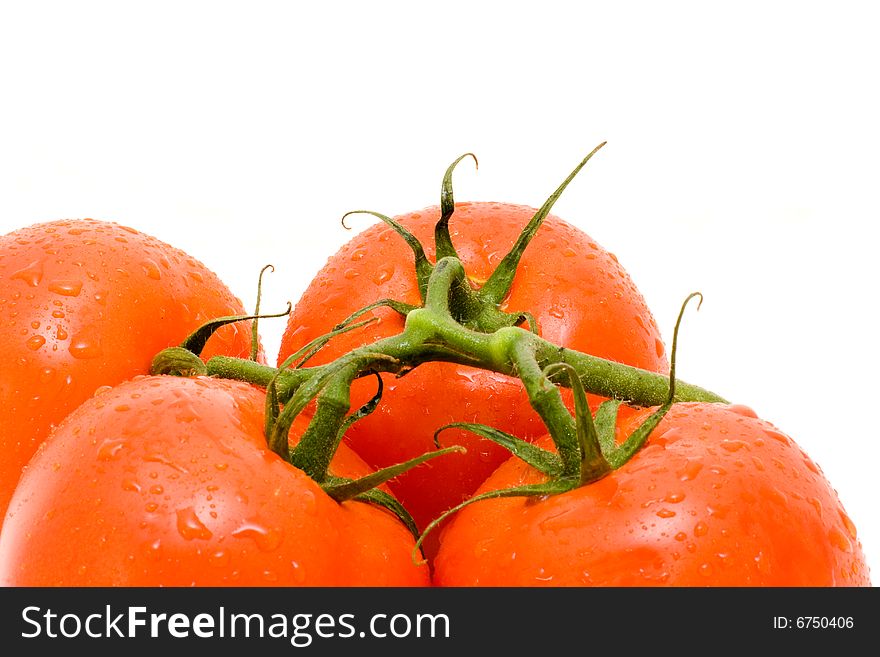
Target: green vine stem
[
  {"x": 431, "y": 333},
  {"x": 458, "y": 322}
]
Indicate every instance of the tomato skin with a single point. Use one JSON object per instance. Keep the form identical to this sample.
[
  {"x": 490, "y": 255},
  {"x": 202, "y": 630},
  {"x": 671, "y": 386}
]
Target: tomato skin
[
  {"x": 579, "y": 294},
  {"x": 167, "y": 481},
  {"x": 717, "y": 497},
  {"x": 88, "y": 303}
]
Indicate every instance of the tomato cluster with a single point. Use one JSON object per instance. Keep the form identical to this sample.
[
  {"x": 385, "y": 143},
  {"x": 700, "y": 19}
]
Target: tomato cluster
[{"x": 505, "y": 335}]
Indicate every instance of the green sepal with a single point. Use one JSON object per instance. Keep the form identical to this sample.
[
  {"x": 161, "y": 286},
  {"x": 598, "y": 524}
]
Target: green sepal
[
  {"x": 546, "y": 488},
  {"x": 351, "y": 488},
  {"x": 423, "y": 265},
  {"x": 539, "y": 458},
  {"x": 196, "y": 340},
  {"x": 442, "y": 240},
  {"x": 606, "y": 425},
  {"x": 332, "y": 485},
  {"x": 498, "y": 285}
]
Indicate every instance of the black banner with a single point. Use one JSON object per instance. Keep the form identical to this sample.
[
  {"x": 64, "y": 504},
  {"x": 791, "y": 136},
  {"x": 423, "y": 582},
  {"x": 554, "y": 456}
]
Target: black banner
[{"x": 319, "y": 621}]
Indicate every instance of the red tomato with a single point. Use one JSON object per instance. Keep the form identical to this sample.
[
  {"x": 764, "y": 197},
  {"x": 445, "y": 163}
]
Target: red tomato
[
  {"x": 167, "y": 481},
  {"x": 579, "y": 294},
  {"x": 88, "y": 303},
  {"x": 717, "y": 497}
]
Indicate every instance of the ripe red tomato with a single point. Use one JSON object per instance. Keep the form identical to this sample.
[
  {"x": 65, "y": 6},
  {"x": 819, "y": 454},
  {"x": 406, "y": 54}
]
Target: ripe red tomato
[
  {"x": 88, "y": 303},
  {"x": 579, "y": 294},
  {"x": 717, "y": 497},
  {"x": 168, "y": 481}
]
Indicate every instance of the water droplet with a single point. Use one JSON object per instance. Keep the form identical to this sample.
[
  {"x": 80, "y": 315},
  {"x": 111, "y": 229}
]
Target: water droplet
[
  {"x": 35, "y": 342},
  {"x": 100, "y": 390},
  {"x": 732, "y": 445},
  {"x": 151, "y": 270},
  {"x": 110, "y": 448},
  {"x": 190, "y": 526},
  {"x": 758, "y": 463},
  {"x": 811, "y": 466},
  {"x": 680, "y": 536},
  {"x": 66, "y": 288},
  {"x": 153, "y": 550},
  {"x": 309, "y": 502},
  {"x": 741, "y": 409},
  {"x": 156, "y": 489},
  {"x": 839, "y": 541},
  {"x": 659, "y": 348},
  {"x": 383, "y": 274},
  {"x": 776, "y": 435},
  {"x": 350, "y": 274},
  {"x": 131, "y": 485},
  {"x": 689, "y": 471},
  {"x": 219, "y": 559},
  {"x": 674, "y": 498},
  {"x": 266, "y": 538},
  {"x": 848, "y": 524},
  {"x": 665, "y": 513},
  {"x": 701, "y": 529},
  {"x": 85, "y": 345},
  {"x": 777, "y": 496},
  {"x": 32, "y": 274},
  {"x": 299, "y": 573},
  {"x": 556, "y": 311}
]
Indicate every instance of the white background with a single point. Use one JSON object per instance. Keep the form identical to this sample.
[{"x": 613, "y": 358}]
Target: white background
[{"x": 742, "y": 159}]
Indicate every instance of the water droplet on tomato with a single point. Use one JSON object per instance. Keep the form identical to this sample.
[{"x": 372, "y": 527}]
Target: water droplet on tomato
[
  {"x": 732, "y": 445},
  {"x": 776, "y": 435},
  {"x": 266, "y": 538},
  {"x": 741, "y": 409},
  {"x": 32, "y": 274},
  {"x": 556, "y": 311},
  {"x": 689, "y": 470},
  {"x": 838, "y": 540},
  {"x": 811, "y": 466},
  {"x": 190, "y": 526},
  {"x": 848, "y": 524},
  {"x": 131, "y": 485},
  {"x": 299, "y": 573},
  {"x": 309, "y": 502},
  {"x": 35, "y": 342},
  {"x": 151, "y": 270},
  {"x": 66, "y": 288},
  {"x": 665, "y": 513},
  {"x": 701, "y": 529},
  {"x": 219, "y": 559},
  {"x": 659, "y": 348},
  {"x": 350, "y": 274},
  {"x": 383, "y": 274},
  {"x": 110, "y": 448},
  {"x": 85, "y": 345},
  {"x": 152, "y": 550}
]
